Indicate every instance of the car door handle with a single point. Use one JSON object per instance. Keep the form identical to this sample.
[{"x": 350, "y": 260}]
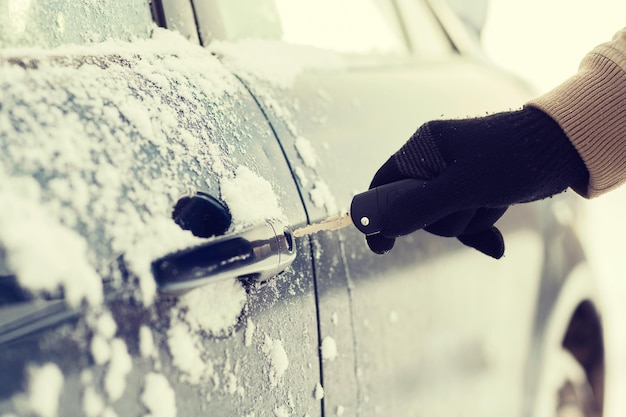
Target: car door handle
[{"x": 257, "y": 253}]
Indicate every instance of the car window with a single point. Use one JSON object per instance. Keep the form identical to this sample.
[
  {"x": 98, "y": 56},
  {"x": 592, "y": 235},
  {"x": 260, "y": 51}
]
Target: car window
[
  {"x": 51, "y": 23},
  {"x": 348, "y": 26}
]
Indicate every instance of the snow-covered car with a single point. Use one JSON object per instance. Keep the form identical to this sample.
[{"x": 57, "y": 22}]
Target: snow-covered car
[{"x": 156, "y": 158}]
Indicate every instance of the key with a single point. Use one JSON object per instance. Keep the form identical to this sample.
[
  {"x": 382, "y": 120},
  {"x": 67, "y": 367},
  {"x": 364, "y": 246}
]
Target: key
[
  {"x": 367, "y": 209},
  {"x": 332, "y": 223}
]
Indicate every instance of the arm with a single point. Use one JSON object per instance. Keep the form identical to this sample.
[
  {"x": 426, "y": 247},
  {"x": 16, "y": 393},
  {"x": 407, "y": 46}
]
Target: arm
[
  {"x": 590, "y": 108},
  {"x": 573, "y": 136}
]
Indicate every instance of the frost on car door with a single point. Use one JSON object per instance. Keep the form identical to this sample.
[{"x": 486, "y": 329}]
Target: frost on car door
[{"x": 99, "y": 144}]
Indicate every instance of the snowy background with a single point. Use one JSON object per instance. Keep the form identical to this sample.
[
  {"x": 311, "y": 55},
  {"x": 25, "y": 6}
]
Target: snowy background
[{"x": 544, "y": 41}]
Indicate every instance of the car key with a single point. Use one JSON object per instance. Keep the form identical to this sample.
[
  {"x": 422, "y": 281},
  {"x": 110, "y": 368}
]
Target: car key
[
  {"x": 335, "y": 222},
  {"x": 367, "y": 209}
]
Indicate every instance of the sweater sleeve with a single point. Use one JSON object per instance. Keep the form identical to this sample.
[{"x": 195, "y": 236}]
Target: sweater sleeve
[{"x": 590, "y": 107}]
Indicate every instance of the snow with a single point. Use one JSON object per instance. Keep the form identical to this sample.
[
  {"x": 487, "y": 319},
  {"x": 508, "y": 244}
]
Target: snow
[
  {"x": 186, "y": 355},
  {"x": 302, "y": 177},
  {"x": 104, "y": 328},
  {"x": 107, "y": 188},
  {"x": 146, "y": 343},
  {"x": 318, "y": 392},
  {"x": 44, "y": 389},
  {"x": 38, "y": 249},
  {"x": 251, "y": 198},
  {"x": 306, "y": 151},
  {"x": 277, "y": 359},
  {"x": 106, "y": 325},
  {"x": 81, "y": 193},
  {"x": 100, "y": 349},
  {"x": 322, "y": 197},
  {"x": 70, "y": 180},
  {"x": 249, "y": 332},
  {"x": 214, "y": 308},
  {"x": 329, "y": 349},
  {"x": 107, "y": 350},
  {"x": 93, "y": 404},
  {"x": 120, "y": 366},
  {"x": 93, "y": 163},
  {"x": 158, "y": 396},
  {"x": 231, "y": 383}
]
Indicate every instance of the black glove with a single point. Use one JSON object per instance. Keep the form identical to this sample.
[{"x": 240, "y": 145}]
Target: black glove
[{"x": 475, "y": 169}]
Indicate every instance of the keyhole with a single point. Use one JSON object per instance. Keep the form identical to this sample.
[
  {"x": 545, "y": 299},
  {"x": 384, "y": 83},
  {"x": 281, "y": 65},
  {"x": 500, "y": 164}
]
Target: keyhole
[{"x": 203, "y": 215}]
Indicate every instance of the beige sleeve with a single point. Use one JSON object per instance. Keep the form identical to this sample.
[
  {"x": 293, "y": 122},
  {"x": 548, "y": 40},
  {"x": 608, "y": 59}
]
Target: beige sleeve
[{"x": 590, "y": 107}]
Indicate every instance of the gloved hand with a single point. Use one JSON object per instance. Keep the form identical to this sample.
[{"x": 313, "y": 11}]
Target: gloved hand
[{"x": 475, "y": 169}]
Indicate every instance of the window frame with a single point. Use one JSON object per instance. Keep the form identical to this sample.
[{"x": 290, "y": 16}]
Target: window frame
[{"x": 210, "y": 27}]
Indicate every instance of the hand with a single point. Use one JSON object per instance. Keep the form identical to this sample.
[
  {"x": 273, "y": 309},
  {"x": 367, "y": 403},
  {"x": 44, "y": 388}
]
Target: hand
[{"x": 475, "y": 169}]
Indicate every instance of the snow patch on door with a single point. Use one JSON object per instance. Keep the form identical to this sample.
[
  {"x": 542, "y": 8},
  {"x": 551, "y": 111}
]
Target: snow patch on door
[{"x": 251, "y": 199}]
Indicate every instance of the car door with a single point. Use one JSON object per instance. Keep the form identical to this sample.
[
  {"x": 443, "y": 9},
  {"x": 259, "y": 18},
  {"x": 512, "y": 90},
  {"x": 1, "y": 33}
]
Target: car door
[
  {"x": 110, "y": 150},
  {"x": 432, "y": 327}
]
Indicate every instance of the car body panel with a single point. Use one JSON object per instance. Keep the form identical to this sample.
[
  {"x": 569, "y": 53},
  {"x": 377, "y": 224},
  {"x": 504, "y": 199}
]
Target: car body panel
[{"x": 151, "y": 122}]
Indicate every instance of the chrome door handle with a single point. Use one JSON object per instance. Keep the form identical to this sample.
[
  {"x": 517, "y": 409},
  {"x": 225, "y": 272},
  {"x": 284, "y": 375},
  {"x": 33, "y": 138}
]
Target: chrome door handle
[{"x": 258, "y": 253}]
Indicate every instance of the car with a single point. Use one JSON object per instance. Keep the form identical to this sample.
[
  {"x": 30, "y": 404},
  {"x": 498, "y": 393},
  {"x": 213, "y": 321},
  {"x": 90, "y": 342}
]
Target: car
[{"x": 157, "y": 161}]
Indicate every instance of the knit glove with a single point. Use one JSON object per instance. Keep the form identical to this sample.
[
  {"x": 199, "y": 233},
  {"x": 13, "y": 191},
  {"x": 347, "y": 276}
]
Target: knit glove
[{"x": 475, "y": 169}]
